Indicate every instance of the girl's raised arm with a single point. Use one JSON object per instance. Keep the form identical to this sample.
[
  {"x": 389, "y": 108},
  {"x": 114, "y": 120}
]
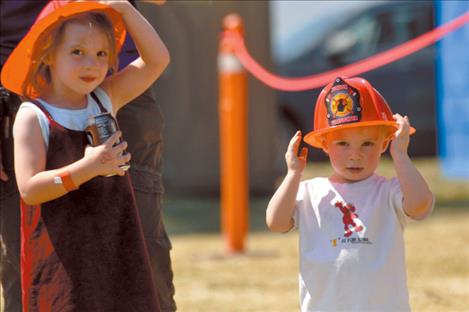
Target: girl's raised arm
[{"x": 139, "y": 75}]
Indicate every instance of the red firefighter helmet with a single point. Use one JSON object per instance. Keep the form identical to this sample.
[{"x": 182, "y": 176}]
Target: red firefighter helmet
[{"x": 349, "y": 103}]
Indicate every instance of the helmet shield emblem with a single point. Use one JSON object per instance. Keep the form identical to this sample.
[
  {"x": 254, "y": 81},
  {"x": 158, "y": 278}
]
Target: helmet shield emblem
[{"x": 343, "y": 104}]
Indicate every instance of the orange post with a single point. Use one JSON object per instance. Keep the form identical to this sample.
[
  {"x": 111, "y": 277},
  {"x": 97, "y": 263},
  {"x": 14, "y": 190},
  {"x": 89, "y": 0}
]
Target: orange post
[{"x": 233, "y": 140}]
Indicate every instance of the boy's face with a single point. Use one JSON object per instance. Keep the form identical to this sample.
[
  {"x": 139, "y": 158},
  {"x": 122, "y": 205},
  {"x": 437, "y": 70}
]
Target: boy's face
[{"x": 355, "y": 152}]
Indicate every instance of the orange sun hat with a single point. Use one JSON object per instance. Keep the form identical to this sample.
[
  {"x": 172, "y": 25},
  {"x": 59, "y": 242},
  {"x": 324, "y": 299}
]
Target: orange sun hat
[
  {"x": 17, "y": 66},
  {"x": 349, "y": 103}
]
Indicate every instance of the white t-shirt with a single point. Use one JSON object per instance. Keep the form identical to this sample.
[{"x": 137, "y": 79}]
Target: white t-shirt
[
  {"x": 74, "y": 119},
  {"x": 351, "y": 245}
]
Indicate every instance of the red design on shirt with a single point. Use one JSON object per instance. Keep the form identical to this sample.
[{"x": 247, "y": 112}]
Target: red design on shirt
[{"x": 348, "y": 210}]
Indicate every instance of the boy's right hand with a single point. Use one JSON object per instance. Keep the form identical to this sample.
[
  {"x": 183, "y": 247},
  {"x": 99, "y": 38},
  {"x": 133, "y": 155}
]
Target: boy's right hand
[
  {"x": 296, "y": 164},
  {"x": 106, "y": 158}
]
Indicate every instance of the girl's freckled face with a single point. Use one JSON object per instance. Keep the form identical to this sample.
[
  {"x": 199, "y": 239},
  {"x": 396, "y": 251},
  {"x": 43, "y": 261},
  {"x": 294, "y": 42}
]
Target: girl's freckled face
[{"x": 81, "y": 60}]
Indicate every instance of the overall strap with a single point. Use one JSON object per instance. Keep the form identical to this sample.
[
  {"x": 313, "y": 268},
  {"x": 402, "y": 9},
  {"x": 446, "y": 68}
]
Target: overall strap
[
  {"x": 46, "y": 112},
  {"x": 96, "y": 98}
]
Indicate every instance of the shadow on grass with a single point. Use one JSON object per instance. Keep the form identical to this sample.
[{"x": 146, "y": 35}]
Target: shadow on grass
[{"x": 196, "y": 215}]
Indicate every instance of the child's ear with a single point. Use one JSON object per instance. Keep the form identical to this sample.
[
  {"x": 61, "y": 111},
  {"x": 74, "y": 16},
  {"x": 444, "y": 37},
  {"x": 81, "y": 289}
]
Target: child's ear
[
  {"x": 385, "y": 144},
  {"x": 325, "y": 147}
]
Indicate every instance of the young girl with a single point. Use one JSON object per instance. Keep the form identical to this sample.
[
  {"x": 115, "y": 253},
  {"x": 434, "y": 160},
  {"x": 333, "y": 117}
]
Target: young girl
[{"x": 82, "y": 245}]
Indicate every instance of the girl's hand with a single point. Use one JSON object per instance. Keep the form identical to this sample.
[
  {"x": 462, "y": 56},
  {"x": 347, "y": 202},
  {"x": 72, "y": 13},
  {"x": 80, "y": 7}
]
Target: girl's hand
[
  {"x": 138, "y": 76},
  {"x": 113, "y": 2},
  {"x": 296, "y": 164},
  {"x": 106, "y": 158},
  {"x": 400, "y": 141},
  {"x": 118, "y": 5}
]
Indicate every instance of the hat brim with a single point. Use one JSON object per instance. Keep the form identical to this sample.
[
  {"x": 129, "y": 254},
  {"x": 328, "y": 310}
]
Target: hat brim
[
  {"x": 314, "y": 138},
  {"x": 18, "y": 64}
]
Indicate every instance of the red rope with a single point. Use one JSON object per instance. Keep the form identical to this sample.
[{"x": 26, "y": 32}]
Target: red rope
[{"x": 319, "y": 80}]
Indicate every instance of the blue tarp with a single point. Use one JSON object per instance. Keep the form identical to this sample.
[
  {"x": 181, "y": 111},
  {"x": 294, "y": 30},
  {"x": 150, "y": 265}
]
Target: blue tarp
[{"x": 453, "y": 92}]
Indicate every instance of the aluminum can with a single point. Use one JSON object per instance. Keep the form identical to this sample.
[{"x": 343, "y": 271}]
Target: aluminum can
[{"x": 100, "y": 128}]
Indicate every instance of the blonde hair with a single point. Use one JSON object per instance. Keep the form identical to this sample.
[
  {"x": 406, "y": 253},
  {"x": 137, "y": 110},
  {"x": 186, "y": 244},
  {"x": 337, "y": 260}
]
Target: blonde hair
[
  {"x": 39, "y": 78},
  {"x": 384, "y": 130}
]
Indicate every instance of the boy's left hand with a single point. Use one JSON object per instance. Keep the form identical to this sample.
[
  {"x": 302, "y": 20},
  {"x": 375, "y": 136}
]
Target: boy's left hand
[
  {"x": 296, "y": 163},
  {"x": 400, "y": 139}
]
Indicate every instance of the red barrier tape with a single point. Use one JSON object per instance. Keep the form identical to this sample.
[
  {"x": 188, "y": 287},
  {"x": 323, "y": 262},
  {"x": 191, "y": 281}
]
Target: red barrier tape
[{"x": 319, "y": 80}]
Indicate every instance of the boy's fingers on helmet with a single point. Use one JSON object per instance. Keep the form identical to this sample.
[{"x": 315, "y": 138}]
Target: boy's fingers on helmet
[
  {"x": 403, "y": 123},
  {"x": 399, "y": 119},
  {"x": 406, "y": 121},
  {"x": 294, "y": 141},
  {"x": 298, "y": 136},
  {"x": 304, "y": 153}
]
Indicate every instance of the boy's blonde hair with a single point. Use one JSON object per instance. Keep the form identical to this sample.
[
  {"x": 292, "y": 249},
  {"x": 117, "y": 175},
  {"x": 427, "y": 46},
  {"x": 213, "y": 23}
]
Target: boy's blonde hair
[
  {"x": 386, "y": 131},
  {"x": 39, "y": 77}
]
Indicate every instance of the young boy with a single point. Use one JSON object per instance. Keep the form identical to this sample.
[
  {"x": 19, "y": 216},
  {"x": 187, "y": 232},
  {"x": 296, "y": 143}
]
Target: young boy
[{"x": 351, "y": 224}]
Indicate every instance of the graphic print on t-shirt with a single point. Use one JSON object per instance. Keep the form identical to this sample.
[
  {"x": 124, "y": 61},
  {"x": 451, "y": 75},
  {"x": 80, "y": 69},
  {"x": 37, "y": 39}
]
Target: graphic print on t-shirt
[{"x": 352, "y": 223}]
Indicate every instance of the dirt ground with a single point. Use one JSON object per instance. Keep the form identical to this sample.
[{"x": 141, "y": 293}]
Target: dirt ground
[{"x": 265, "y": 278}]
